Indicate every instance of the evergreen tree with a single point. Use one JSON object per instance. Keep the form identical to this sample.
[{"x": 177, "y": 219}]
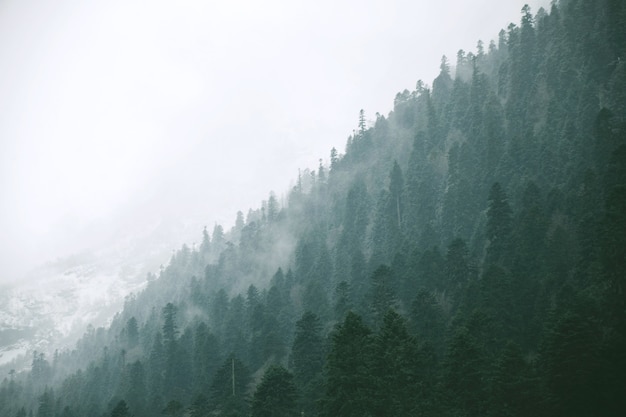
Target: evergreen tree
[
  {"x": 428, "y": 318},
  {"x": 395, "y": 369},
  {"x": 276, "y": 395},
  {"x": 463, "y": 375},
  {"x": 173, "y": 408},
  {"x": 228, "y": 395},
  {"x": 382, "y": 297},
  {"x": 349, "y": 385},
  {"x": 498, "y": 226},
  {"x": 200, "y": 406},
  {"x": 343, "y": 302},
  {"x": 46, "y": 404},
  {"x": 121, "y": 410},
  {"x": 396, "y": 186},
  {"x": 307, "y": 361},
  {"x": 132, "y": 332}
]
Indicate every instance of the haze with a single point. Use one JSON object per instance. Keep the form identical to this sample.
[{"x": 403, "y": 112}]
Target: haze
[{"x": 114, "y": 114}]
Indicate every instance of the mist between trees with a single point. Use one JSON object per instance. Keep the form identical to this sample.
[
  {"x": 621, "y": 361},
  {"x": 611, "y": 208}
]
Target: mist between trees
[{"x": 463, "y": 256}]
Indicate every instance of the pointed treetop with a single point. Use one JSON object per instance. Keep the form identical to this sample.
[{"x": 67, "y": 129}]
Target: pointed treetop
[
  {"x": 445, "y": 65},
  {"x": 362, "y": 121}
]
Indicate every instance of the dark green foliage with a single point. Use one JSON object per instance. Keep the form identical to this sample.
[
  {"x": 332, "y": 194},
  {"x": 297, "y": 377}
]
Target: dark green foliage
[
  {"x": 572, "y": 361},
  {"x": 396, "y": 369},
  {"x": 349, "y": 386},
  {"x": 382, "y": 297},
  {"x": 307, "y": 361},
  {"x": 173, "y": 408},
  {"x": 614, "y": 224},
  {"x": 121, "y": 410},
  {"x": 307, "y": 354},
  {"x": 396, "y": 187},
  {"x": 206, "y": 358},
  {"x": 498, "y": 227},
  {"x": 428, "y": 318},
  {"x": 276, "y": 395},
  {"x": 458, "y": 271},
  {"x": 132, "y": 332},
  {"x": 512, "y": 391},
  {"x": 46, "y": 404},
  {"x": 200, "y": 406},
  {"x": 229, "y": 390},
  {"x": 343, "y": 301},
  {"x": 41, "y": 371},
  {"x": 515, "y": 165},
  {"x": 463, "y": 378}
]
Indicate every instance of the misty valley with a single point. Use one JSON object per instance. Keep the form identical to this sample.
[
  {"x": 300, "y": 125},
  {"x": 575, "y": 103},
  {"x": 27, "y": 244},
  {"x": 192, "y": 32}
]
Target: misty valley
[{"x": 464, "y": 255}]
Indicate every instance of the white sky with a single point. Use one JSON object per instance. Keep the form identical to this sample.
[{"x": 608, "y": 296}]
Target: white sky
[{"x": 194, "y": 108}]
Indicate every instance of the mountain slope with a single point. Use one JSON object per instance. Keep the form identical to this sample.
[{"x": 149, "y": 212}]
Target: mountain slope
[{"x": 464, "y": 256}]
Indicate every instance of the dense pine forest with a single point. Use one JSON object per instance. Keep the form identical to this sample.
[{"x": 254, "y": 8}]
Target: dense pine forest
[{"x": 464, "y": 256}]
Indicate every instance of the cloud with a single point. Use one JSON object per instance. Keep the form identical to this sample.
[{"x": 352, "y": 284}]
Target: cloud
[{"x": 194, "y": 108}]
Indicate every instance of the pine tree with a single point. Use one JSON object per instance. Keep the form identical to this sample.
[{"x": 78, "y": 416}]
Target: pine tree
[
  {"x": 396, "y": 187},
  {"x": 382, "y": 297},
  {"x": 121, "y": 410},
  {"x": 276, "y": 395},
  {"x": 349, "y": 384},
  {"x": 307, "y": 361},
  {"x": 498, "y": 226},
  {"x": 395, "y": 369},
  {"x": 228, "y": 395},
  {"x": 46, "y": 404},
  {"x": 463, "y": 374}
]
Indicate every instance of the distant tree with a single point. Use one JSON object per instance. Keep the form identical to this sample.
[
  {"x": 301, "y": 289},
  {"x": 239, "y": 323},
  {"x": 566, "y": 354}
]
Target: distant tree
[
  {"x": 499, "y": 225},
  {"x": 349, "y": 384},
  {"x": 136, "y": 392},
  {"x": 457, "y": 266},
  {"x": 396, "y": 186},
  {"x": 121, "y": 410},
  {"x": 463, "y": 374},
  {"x": 156, "y": 369},
  {"x": 362, "y": 124},
  {"x": 343, "y": 302},
  {"x": 205, "y": 246},
  {"x": 428, "y": 318},
  {"x": 41, "y": 371},
  {"x": 382, "y": 297},
  {"x": 307, "y": 353},
  {"x": 272, "y": 208},
  {"x": 228, "y": 395},
  {"x": 276, "y": 395},
  {"x": 511, "y": 390},
  {"x": 334, "y": 158},
  {"x": 442, "y": 85},
  {"x": 46, "y": 404},
  {"x": 132, "y": 332},
  {"x": 307, "y": 361},
  {"x": 199, "y": 407},
  {"x": 321, "y": 172},
  {"x": 170, "y": 329},
  {"x": 395, "y": 369},
  {"x": 572, "y": 364},
  {"x": 173, "y": 408},
  {"x": 206, "y": 358}
]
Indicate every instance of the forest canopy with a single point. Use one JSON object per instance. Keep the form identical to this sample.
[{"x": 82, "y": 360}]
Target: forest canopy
[{"x": 464, "y": 255}]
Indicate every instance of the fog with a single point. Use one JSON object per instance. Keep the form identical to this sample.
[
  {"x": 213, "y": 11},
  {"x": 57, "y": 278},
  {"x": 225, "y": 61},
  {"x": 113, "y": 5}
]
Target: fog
[{"x": 116, "y": 115}]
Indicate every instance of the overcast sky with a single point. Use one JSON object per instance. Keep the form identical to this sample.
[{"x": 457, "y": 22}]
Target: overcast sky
[{"x": 197, "y": 109}]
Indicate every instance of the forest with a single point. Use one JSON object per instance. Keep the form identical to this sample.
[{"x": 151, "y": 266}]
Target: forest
[{"x": 465, "y": 255}]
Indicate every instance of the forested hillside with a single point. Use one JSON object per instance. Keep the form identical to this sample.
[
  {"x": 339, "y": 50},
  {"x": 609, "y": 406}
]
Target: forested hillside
[{"x": 464, "y": 256}]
